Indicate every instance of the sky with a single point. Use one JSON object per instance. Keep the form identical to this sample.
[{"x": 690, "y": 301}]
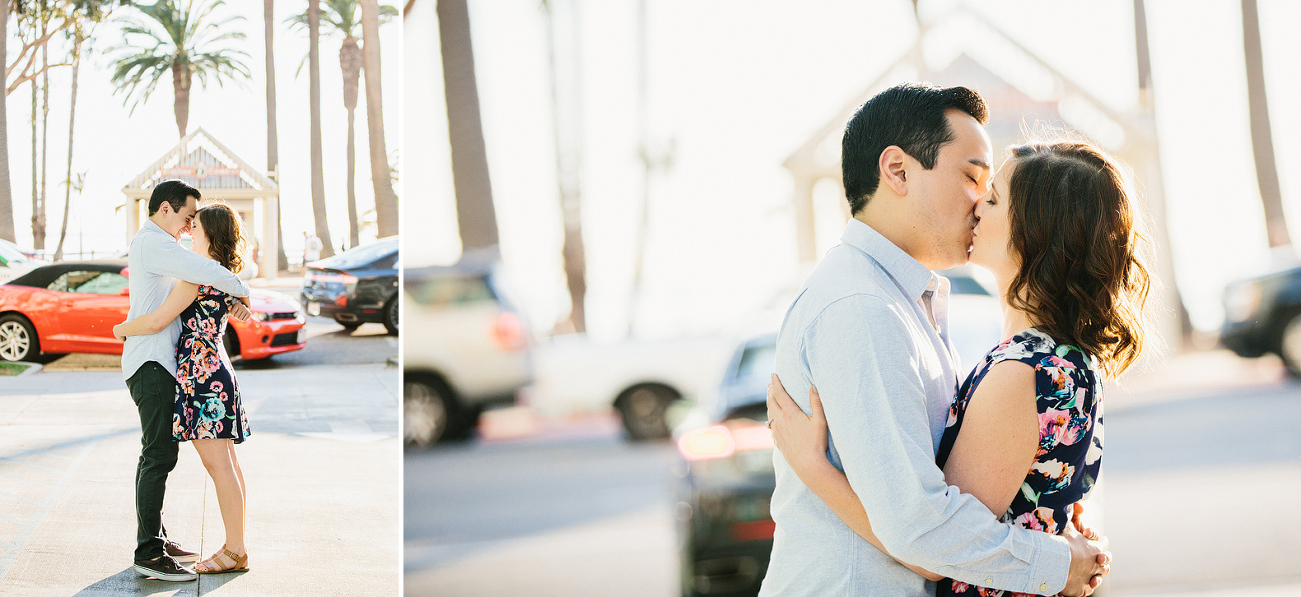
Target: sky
[
  {"x": 736, "y": 87},
  {"x": 113, "y": 144}
]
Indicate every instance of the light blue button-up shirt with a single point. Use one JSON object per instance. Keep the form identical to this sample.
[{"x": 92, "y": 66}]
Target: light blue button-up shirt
[
  {"x": 884, "y": 368},
  {"x": 154, "y": 264}
]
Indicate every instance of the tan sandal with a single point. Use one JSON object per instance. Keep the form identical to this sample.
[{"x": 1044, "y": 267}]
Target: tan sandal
[{"x": 212, "y": 566}]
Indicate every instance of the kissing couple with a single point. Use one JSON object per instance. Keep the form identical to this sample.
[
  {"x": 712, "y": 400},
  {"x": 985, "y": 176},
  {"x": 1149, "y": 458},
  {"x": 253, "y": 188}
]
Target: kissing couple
[
  {"x": 892, "y": 477},
  {"x": 178, "y": 373}
]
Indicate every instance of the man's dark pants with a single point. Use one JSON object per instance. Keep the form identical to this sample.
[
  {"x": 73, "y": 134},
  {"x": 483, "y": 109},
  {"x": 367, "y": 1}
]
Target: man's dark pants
[{"x": 153, "y": 390}]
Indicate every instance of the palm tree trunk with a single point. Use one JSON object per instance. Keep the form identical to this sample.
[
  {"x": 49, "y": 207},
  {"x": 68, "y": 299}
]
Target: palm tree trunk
[
  {"x": 474, "y": 209},
  {"x": 273, "y": 138},
  {"x": 6, "y": 188},
  {"x": 38, "y": 228},
  {"x": 566, "y": 117},
  {"x": 181, "y": 86},
  {"x": 318, "y": 162},
  {"x": 1262, "y": 140},
  {"x": 36, "y": 198},
  {"x": 350, "y": 60},
  {"x": 67, "y": 176},
  {"x": 381, "y": 176}
]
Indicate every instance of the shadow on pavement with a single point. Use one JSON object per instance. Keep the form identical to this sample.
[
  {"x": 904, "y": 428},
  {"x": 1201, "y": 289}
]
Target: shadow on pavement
[{"x": 127, "y": 582}]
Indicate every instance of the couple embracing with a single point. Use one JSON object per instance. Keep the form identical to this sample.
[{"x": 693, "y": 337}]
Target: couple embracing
[
  {"x": 892, "y": 477},
  {"x": 178, "y": 373}
]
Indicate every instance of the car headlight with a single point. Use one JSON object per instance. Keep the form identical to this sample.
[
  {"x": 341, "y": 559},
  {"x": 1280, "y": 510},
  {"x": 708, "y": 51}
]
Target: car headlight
[
  {"x": 1241, "y": 302},
  {"x": 261, "y": 316}
]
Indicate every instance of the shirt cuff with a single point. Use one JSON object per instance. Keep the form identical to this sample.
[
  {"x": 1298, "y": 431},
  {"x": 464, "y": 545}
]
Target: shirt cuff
[{"x": 1050, "y": 566}]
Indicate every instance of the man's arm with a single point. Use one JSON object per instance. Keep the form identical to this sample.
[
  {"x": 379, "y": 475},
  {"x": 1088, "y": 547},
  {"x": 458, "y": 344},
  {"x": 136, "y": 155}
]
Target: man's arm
[
  {"x": 876, "y": 412},
  {"x": 174, "y": 261}
]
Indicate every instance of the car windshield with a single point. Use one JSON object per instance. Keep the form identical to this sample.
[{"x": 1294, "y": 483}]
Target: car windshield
[
  {"x": 9, "y": 253},
  {"x": 757, "y": 364},
  {"x": 360, "y": 256},
  {"x": 449, "y": 291}
]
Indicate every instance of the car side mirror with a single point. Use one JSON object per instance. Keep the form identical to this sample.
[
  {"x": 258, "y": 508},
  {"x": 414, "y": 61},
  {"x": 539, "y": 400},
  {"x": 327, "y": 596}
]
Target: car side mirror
[{"x": 125, "y": 291}]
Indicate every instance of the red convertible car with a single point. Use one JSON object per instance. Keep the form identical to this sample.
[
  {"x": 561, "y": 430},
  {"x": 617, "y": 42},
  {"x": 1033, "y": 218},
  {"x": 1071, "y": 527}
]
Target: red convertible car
[{"x": 73, "y": 306}]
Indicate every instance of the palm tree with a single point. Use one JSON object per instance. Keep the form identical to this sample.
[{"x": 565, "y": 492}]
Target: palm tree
[
  {"x": 474, "y": 209},
  {"x": 6, "y": 189},
  {"x": 318, "y": 162},
  {"x": 78, "y": 38},
  {"x": 341, "y": 17},
  {"x": 273, "y": 137},
  {"x": 381, "y": 174},
  {"x": 1262, "y": 139},
  {"x": 182, "y": 41}
]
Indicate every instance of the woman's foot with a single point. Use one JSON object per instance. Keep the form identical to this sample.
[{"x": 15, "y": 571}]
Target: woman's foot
[{"x": 222, "y": 562}]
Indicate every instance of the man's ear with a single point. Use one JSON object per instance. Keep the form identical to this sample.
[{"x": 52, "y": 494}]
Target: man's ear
[{"x": 893, "y": 166}]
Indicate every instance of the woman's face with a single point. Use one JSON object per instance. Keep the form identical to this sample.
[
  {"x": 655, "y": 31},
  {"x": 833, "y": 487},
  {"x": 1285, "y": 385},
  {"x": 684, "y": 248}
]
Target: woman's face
[
  {"x": 200, "y": 237},
  {"x": 991, "y": 240}
]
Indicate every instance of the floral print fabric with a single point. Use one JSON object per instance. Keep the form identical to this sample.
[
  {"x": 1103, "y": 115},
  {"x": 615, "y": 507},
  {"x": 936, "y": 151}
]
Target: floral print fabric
[
  {"x": 1069, "y": 457},
  {"x": 208, "y": 404}
]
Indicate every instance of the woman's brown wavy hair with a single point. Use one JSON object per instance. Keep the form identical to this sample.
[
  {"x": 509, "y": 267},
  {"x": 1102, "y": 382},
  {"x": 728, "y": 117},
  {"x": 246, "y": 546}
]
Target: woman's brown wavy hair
[
  {"x": 1079, "y": 236},
  {"x": 225, "y": 235}
]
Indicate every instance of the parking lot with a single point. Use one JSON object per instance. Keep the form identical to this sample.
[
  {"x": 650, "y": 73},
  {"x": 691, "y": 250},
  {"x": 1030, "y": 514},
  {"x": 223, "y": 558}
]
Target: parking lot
[{"x": 1198, "y": 474}]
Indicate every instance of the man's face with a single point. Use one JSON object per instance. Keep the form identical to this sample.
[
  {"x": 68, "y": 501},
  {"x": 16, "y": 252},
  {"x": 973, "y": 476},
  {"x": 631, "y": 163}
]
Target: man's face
[
  {"x": 177, "y": 223},
  {"x": 947, "y": 194}
]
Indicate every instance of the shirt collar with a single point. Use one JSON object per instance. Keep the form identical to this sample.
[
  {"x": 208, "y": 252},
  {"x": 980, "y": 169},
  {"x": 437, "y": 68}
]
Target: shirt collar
[
  {"x": 150, "y": 225},
  {"x": 908, "y": 273}
]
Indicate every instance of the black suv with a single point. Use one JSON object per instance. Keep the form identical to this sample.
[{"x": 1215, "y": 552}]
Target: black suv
[
  {"x": 1263, "y": 315},
  {"x": 357, "y": 286}
]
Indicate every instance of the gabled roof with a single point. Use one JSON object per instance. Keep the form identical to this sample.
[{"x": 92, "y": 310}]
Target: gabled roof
[{"x": 203, "y": 162}]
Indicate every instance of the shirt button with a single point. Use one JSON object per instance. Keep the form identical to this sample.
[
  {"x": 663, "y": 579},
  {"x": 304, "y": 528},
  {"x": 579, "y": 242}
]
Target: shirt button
[
  {"x": 1043, "y": 588},
  {"x": 989, "y": 581}
]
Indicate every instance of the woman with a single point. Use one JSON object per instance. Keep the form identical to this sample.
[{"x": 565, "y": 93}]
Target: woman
[
  {"x": 1024, "y": 434},
  {"x": 208, "y": 410}
]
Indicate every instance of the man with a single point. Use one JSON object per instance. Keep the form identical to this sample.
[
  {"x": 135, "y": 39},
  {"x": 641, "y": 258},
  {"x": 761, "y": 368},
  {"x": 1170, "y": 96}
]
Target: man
[
  {"x": 155, "y": 262},
  {"x": 870, "y": 330}
]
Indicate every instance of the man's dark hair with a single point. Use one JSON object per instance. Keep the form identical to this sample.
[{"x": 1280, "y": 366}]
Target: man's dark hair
[
  {"x": 910, "y": 116},
  {"x": 174, "y": 192}
]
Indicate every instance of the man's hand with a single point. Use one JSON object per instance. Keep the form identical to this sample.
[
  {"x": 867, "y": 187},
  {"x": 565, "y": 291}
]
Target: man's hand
[
  {"x": 116, "y": 334},
  {"x": 239, "y": 311},
  {"x": 1090, "y": 561}
]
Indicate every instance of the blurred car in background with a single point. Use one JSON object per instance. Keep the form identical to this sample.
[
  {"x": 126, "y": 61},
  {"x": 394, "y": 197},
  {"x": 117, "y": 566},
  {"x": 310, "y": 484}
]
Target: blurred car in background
[
  {"x": 464, "y": 348},
  {"x": 724, "y": 479},
  {"x": 975, "y": 316},
  {"x": 640, "y": 379},
  {"x": 1263, "y": 315},
  {"x": 14, "y": 262},
  {"x": 72, "y": 306},
  {"x": 357, "y": 286}
]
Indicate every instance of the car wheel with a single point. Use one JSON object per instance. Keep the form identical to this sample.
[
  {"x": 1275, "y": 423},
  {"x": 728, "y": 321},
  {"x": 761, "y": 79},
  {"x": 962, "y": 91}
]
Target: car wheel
[
  {"x": 391, "y": 316},
  {"x": 427, "y": 409},
  {"x": 643, "y": 408},
  {"x": 18, "y": 341},
  {"x": 1290, "y": 346},
  {"x": 231, "y": 340}
]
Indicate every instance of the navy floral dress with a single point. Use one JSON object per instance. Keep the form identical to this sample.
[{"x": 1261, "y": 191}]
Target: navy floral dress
[
  {"x": 1070, "y": 437},
  {"x": 208, "y": 404}
]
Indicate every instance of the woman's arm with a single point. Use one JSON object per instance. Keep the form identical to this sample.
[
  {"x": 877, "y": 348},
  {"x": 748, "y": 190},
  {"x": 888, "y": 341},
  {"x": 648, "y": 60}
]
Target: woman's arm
[
  {"x": 999, "y": 437},
  {"x": 802, "y": 440},
  {"x": 151, "y": 323}
]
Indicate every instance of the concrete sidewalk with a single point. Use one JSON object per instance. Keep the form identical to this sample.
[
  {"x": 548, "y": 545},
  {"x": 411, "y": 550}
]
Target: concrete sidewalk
[{"x": 322, "y": 467}]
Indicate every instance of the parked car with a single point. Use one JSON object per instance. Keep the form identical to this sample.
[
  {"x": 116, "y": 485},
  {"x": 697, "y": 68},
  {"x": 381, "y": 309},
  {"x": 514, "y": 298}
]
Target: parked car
[
  {"x": 357, "y": 286},
  {"x": 725, "y": 479},
  {"x": 465, "y": 348},
  {"x": 1263, "y": 315},
  {"x": 14, "y": 262},
  {"x": 72, "y": 306}
]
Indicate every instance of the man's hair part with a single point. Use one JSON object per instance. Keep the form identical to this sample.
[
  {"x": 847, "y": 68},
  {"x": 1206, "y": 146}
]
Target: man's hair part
[{"x": 911, "y": 116}]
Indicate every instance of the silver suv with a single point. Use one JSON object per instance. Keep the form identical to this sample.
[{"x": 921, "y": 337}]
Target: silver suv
[{"x": 464, "y": 348}]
